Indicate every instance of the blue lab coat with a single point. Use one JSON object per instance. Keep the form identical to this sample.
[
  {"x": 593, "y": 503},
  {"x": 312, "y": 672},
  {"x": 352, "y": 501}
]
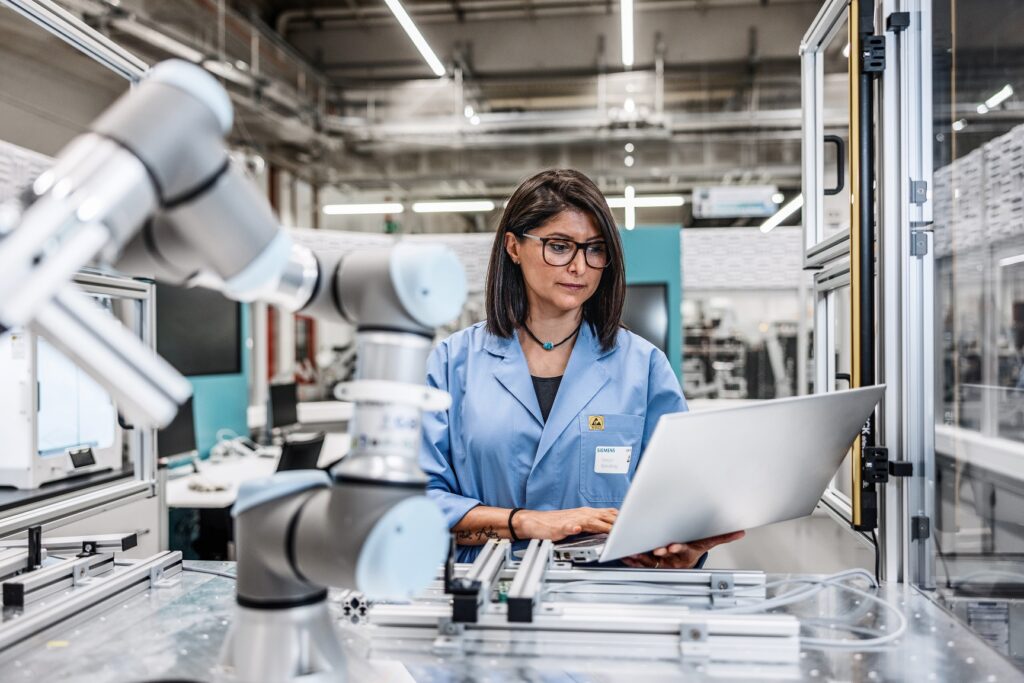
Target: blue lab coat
[{"x": 492, "y": 446}]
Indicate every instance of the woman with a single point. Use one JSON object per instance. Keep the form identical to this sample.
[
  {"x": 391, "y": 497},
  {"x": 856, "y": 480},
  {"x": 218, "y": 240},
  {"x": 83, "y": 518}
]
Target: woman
[{"x": 546, "y": 380}]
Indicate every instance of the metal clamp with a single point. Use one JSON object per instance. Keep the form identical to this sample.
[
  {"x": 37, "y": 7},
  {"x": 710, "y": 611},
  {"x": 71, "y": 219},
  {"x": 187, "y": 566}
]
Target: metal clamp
[
  {"x": 694, "y": 642},
  {"x": 723, "y": 588},
  {"x": 449, "y": 639}
]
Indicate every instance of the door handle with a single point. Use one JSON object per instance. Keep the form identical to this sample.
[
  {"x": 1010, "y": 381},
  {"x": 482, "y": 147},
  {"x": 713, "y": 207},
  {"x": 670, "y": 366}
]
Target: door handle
[{"x": 840, "y": 164}]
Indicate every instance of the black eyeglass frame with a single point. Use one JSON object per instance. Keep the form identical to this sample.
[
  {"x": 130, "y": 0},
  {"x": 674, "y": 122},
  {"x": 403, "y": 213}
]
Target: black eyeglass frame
[{"x": 576, "y": 248}]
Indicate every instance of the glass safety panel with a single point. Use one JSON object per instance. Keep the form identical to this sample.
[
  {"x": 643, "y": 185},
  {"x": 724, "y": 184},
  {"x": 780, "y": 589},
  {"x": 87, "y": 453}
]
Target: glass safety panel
[{"x": 978, "y": 194}]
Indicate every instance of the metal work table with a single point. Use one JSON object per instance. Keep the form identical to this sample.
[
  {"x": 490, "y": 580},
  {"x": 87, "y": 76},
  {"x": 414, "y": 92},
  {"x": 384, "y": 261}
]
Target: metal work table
[{"x": 175, "y": 631}]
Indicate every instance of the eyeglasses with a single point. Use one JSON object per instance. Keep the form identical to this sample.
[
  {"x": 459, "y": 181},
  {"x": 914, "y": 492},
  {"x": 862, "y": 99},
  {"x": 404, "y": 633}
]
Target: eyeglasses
[{"x": 559, "y": 251}]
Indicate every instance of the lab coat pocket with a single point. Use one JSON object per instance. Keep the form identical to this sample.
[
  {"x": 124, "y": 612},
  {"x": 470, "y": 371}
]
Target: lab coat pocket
[{"x": 609, "y": 451}]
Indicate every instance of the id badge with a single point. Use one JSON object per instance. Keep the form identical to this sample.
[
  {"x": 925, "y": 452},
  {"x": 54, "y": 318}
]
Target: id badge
[{"x": 612, "y": 459}]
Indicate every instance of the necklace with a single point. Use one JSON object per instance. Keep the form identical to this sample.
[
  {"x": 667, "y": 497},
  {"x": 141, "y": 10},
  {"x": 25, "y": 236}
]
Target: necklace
[{"x": 547, "y": 346}]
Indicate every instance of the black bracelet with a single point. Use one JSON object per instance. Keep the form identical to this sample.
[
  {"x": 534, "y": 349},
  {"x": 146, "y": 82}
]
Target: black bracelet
[{"x": 511, "y": 531}]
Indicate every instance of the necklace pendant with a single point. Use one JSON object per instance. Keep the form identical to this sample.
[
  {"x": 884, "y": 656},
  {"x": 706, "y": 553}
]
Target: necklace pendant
[{"x": 548, "y": 346}]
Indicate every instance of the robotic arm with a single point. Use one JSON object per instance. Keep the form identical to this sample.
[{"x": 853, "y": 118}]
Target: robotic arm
[{"x": 150, "y": 190}]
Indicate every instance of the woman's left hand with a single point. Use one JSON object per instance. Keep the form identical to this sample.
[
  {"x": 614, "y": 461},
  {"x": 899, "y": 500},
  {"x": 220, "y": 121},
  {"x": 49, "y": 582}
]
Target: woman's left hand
[{"x": 679, "y": 555}]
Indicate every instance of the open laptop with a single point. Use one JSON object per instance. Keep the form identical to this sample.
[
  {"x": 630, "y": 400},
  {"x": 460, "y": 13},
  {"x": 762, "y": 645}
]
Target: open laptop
[{"x": 710, "y": 472}]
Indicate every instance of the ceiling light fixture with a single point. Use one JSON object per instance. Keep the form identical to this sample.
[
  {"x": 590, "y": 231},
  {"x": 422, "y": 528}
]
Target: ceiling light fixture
[
  {"x": 626, "y": 9},
  {"x": 416, "y": 37},
  {"x": 629, "y": 147},
  {"x": 362, "y": 209},
  {"x": 959, "y": 125},
  {"x": 468, "y": 111},
  {"x": 649, "y": 201},
  {"x": 629, "y": 161},
  {"x": 782, "y": 214},
  {"x": 778, "y": 197},
  {"x": 456, "y": 206},
  {"x": 474, "y": 120}
]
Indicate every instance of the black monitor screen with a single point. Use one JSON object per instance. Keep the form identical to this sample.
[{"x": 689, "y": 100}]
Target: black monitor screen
[
  {"x": 645, "y": 312},
  {"x": 198, "y": 331},
  {"x": 283, "y": 405},
  {"x": 179, "y": 436}
]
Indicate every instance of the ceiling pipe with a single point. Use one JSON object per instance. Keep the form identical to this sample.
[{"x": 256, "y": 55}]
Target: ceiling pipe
[{"x": 481, "y": 10}]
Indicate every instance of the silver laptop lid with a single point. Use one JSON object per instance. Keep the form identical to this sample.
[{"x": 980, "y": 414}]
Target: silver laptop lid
[{"x": 711, "y": 472}]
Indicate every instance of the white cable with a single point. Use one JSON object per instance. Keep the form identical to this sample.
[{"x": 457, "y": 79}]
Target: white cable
[
  {"x": 862, "y": 643},
  {"x": 212, "y": 572},
  {"x": 816, "y": 586}
]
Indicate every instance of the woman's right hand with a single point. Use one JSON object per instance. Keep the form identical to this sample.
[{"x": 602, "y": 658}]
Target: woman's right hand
[{"x": 558, "y": 524}]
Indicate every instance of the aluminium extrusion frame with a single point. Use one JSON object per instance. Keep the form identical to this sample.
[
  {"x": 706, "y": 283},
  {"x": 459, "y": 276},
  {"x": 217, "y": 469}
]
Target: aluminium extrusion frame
[
  {"x": 87, "y": 600},
  {"x": 914, "y": 324},
  {"x": 827, "y": 255},
  {"x": 612, "y": 610},
  {"x": 40, "y": 584},
  {"x": 905, "y": 272},
  {"x": 823, "y": 29}
]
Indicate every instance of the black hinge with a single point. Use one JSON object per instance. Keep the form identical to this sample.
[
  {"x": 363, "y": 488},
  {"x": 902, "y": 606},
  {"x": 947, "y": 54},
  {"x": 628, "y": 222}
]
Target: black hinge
[
  {"x": 872, "y": 53},
  {"x": 876, "y": 467},
  {"x": 897, "y": 22},
  {"x": 920, "y": 527},
  {"x": 874, "y": 463}
]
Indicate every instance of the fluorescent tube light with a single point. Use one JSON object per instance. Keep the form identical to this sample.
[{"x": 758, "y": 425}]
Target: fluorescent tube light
[
  {"x": 782, "y": 214},
  {"x": 648, "y": 202},
  {"x": 626, "y": 8},
  {"x": 630, "y": 207},
  {"x": 1011, "y": 261},
  {"x": 416, "y": 37},
  {"x": 1000, "y": 97},
  {"x": 460, "y": 206},
  {"x": 362, "y": 209}
]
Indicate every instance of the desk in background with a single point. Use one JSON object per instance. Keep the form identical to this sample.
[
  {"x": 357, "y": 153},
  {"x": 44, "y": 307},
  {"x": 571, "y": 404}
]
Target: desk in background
[
  {"x": 321, "y": 416},
  {"x": 200, "y": 521}
]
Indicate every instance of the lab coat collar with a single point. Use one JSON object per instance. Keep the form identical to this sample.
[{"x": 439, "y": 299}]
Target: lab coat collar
[
  {"x": 583, "y": 378},
  {"x": 513, "y": 373}
]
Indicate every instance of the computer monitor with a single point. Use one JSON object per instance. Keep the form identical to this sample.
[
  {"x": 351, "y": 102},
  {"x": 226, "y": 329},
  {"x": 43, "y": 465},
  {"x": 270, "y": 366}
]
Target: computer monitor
[
  {"x": 198, "y": 331},
  {"x": 179, "y": 437},
  {"x": 284, "y": 411},
  {"x": 645, "y": 312}
]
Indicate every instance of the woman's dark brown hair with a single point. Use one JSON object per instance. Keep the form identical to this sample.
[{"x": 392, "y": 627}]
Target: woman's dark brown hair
[{"x": 535, "y": 202}]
